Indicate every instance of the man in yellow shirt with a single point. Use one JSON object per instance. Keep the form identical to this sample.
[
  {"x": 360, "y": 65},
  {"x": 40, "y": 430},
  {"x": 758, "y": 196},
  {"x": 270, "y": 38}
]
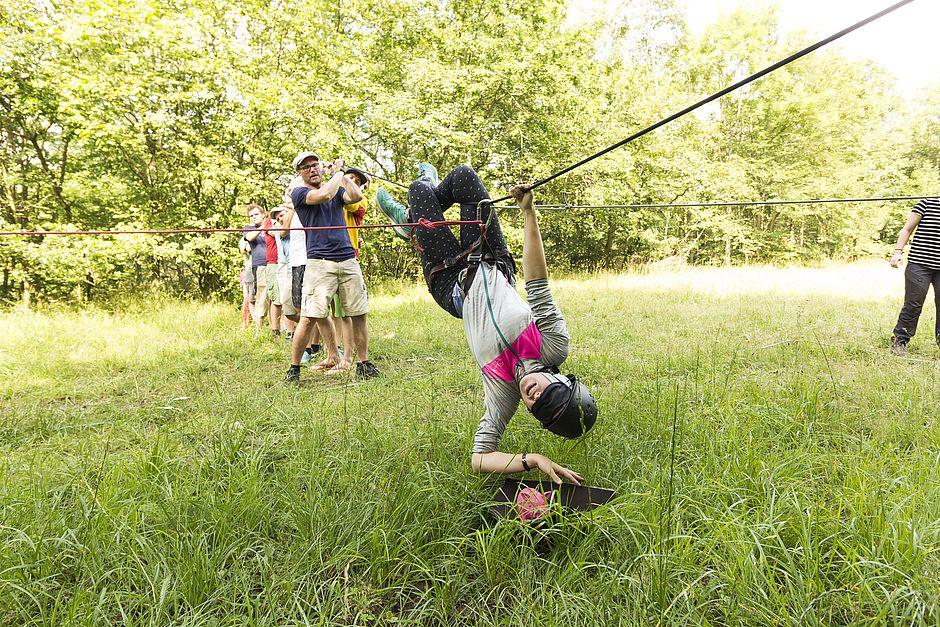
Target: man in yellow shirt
[{"x": 355, "y": 214}]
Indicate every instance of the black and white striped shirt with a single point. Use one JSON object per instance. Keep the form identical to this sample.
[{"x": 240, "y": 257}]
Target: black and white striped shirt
[{"x": 925, "y": 250}]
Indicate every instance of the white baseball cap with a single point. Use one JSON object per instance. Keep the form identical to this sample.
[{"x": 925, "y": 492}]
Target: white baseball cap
[{"x": 303, "y": 157}]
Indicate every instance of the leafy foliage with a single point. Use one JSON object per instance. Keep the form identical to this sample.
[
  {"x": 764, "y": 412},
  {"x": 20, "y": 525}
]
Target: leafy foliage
[{"x": 133, "y": 113}]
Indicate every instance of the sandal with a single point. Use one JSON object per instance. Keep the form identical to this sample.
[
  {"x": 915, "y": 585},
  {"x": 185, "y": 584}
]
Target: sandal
[{"x": 338, "y": 369}]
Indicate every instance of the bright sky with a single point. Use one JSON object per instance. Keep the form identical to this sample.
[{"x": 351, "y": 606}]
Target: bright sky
[{"x": 906, "y": 41}]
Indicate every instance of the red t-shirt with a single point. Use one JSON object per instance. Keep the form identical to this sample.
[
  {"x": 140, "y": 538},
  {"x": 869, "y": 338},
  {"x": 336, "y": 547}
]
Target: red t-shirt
[{"x": 269, "y": 243}]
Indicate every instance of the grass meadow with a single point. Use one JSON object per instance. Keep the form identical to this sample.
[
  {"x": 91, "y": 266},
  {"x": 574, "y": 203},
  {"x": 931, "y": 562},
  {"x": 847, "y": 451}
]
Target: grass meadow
[{"x": 774, "y": 465}]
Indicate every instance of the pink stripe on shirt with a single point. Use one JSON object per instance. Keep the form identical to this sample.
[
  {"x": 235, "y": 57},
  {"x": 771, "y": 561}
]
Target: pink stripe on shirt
[{"x": 527, "y": 346}]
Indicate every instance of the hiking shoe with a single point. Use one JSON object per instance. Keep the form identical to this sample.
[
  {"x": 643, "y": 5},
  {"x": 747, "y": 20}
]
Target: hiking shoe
[
  {"x": 293, "y": 375},
  {"x": 898, "y": 347},
  {"x": 395, "y": 211},
  {"x": 367, "y": 370},
  {"x": 428, "y": 172}
]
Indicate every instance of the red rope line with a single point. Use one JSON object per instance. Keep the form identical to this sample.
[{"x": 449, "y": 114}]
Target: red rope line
[{"x": 422, "y": 222}]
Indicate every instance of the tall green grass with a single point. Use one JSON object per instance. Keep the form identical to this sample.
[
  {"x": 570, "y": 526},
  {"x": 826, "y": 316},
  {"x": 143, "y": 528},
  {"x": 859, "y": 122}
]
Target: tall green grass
[{"x": 773, "y": 465}]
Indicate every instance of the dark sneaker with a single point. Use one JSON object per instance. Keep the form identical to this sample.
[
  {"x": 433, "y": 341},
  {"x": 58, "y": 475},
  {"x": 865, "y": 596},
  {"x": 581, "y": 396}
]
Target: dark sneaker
[
  {"x": 898, "y": 347},
  {"x": 428, "y": 172},
  {"x": 395, "y": 211},
  {"x": 293, "y": 375},
  {"x": 367, "y": 370}
]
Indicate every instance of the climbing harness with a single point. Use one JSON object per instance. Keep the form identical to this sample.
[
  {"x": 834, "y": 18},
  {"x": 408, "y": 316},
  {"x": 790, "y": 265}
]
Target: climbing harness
[{"x": 472, "y": 256}]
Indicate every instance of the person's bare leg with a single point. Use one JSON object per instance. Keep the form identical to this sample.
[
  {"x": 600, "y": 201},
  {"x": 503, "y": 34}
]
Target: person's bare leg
[
  {"x": 360, "y": 332},
  {"x": 328, "y": 341},
  {"x": 274, "y": 316},
  {"x": 301, "y": 339},
  {"x": 246, "y": 307},
  {"x": 349, "y": 341},
  {"x": 261, "y": 309},
  {"x": 315, "y": 336},
  {"x": 343, "y": 329},
  {"x": 337, "y": 329}
]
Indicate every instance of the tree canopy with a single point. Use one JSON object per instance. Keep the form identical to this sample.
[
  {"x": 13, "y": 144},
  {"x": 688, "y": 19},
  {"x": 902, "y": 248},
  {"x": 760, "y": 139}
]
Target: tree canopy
[{"x": 137, "y": 113}]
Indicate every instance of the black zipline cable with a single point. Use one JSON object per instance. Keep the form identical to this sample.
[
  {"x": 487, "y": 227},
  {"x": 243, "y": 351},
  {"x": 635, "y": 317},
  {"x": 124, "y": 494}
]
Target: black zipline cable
[
  {"x": 715, "y": 96},
  {"x": 382, "y": 178},
  {"x": 743, "y": 203}
]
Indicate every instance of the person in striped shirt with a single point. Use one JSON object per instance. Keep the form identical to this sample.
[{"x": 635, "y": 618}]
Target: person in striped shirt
[{"x": 923, "y": 270}]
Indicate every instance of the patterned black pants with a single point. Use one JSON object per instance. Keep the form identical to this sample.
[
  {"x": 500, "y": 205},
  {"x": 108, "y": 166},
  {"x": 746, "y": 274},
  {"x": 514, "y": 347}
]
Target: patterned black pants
[{"x": 462, "y": 186}]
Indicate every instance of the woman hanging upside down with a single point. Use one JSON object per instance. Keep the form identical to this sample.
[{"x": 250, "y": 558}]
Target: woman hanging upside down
[{"x": 518, "y": 346}]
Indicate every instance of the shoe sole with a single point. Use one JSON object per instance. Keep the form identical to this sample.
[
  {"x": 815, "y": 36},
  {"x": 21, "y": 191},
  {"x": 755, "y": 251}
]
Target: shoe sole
[{"x": 403, "y": 233}]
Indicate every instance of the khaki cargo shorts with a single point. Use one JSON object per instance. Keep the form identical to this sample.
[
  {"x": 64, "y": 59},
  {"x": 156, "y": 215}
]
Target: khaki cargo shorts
[
  {"x": 274, "y": 292},
  {"x": 323, "y": 278},
  {"x": 262, "y": 299},
  {"x": 284, "y": 287}
]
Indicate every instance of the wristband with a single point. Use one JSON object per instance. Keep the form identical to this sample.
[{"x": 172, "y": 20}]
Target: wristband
[
  {"x": 525, "y": 465},
  {"x": 899, "y": 249}
]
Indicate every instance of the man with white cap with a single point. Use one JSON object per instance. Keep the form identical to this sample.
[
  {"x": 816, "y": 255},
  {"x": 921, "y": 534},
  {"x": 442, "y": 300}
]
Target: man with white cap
[{"x": 332, "y": 267}]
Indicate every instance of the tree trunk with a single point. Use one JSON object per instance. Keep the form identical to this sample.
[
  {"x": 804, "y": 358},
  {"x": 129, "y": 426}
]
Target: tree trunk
[
  {"x": 53, "y": 178},
  {"x": 609, "y": 243}
]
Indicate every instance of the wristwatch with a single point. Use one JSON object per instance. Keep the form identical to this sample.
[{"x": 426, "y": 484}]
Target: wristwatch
[{"x": 525, "y": 464}]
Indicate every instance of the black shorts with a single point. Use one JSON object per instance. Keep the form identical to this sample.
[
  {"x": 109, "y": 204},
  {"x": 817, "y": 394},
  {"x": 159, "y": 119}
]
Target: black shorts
[{"x": 297, "y": 286}]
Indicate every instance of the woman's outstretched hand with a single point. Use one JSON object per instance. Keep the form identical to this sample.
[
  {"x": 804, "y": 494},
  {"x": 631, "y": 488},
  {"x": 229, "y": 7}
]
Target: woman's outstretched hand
[
  {"x": 523, "y": 196},
  {"x": 555, "y": 472},
  {"x": 507, "y": 463}
]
